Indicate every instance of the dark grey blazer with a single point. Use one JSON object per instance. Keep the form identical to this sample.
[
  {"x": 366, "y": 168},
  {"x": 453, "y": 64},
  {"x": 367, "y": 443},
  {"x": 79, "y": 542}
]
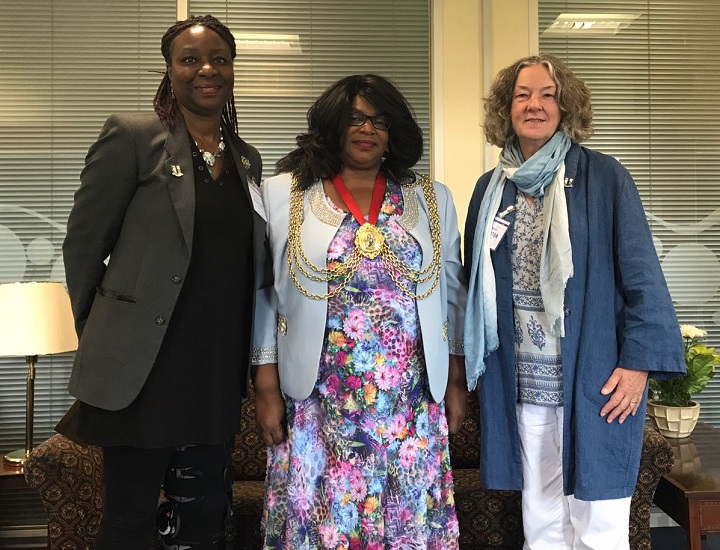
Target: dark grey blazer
[{"x": 135, "y": 205}]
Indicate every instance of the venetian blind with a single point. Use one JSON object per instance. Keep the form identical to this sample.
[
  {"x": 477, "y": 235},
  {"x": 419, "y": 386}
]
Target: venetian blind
[
  {"x": 655, "y": 89},
  {"x": 66, "y": 66},
  {"x": 69, "y": 64},
  {"x": 289, "y": 52}
]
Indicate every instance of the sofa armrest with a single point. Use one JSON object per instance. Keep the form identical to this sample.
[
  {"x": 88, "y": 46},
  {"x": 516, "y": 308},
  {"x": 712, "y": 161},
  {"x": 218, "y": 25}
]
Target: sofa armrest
[
  {"x": 465, "y": 444},
  {"x": 249, "y": 453},
  {"x": 69, "y": 479},
  {"x": 656, "y": 460}
]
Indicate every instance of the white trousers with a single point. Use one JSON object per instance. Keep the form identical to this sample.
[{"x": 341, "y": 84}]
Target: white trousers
[{"x": 551, "y": 520}]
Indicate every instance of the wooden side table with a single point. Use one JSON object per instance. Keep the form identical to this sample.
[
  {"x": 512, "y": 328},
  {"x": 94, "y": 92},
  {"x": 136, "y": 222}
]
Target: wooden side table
[
  {"x": 11, "y": 476},
  {"x": 690, "y": 493}
]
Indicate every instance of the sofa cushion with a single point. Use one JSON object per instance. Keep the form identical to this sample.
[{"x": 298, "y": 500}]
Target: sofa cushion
[{"x": 488, "y": 519}]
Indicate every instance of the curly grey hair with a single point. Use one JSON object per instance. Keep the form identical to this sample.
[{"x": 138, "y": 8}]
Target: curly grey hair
[{"x": 573, "y": 99}]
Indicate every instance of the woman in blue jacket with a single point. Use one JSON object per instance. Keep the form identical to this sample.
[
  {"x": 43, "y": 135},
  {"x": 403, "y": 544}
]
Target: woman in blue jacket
[{"x": 565, "y": 296}]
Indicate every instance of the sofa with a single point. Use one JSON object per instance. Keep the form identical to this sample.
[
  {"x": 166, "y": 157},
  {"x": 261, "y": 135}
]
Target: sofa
[{"x": 69, "y": 479}]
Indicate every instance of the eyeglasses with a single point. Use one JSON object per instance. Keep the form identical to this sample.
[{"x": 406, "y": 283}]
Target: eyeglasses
[{"x": 380, "y": 122}]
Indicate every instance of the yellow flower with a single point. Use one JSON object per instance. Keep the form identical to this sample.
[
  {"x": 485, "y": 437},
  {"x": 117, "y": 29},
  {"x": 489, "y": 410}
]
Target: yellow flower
[
  {"x": 689, "y": 331},
  {"x": 371, "y": 504},
  {"x": 337, "y": 338},
  {"x": 351, "y": 404},
  {"x": 370, "y": 392}
]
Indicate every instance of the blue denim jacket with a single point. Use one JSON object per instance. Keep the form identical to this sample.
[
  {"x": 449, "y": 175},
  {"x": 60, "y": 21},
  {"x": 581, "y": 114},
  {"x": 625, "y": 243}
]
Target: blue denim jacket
[{"x": 618, "y": 312}]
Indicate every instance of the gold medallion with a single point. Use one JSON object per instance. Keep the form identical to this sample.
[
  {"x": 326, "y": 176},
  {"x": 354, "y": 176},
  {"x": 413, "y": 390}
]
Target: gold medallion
[
  {"x": 370, "y": 243},
  {"x": 369, "y": 239}
]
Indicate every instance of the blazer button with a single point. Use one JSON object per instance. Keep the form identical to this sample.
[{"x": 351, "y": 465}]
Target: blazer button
[
  {"x": 159, "y": 320},
  {"x": 176, "y": 279},
  {"x": 566, "y": 311}
]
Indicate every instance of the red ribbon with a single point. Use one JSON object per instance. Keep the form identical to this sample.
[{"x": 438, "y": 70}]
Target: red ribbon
[{"x": 375, "y": 204}]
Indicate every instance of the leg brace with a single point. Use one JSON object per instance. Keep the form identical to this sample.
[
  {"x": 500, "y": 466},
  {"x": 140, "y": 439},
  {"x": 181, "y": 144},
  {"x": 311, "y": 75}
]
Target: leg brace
[{"x": 198, "y": 489}]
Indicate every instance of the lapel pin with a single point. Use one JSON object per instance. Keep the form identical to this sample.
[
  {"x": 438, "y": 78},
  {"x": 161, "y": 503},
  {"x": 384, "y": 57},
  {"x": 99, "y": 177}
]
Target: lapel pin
[
  {"x": 245, "y": 162},
  {"x": 569, "y": 182},
  {"x": 175, "y": 169}
]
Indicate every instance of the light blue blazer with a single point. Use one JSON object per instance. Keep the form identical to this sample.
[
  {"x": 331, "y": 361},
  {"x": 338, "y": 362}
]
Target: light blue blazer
[{"x": 289, "y": 327}]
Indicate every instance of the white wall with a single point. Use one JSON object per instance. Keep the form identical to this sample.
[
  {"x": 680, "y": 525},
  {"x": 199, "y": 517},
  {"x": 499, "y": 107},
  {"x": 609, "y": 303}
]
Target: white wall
[{"x": 472, "y": 40}]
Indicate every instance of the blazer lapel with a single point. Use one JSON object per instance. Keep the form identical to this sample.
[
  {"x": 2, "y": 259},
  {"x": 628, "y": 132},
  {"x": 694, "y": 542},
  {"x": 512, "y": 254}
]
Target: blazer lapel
[
  {"x": 251, "y": 186},
  {"x": 242, "y": 164},
  {"x": 181, "y": 179},
  {"x": 421, "y": 229}
]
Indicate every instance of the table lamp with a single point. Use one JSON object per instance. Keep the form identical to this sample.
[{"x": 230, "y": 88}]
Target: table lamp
[{"x": 35, "y": 319}]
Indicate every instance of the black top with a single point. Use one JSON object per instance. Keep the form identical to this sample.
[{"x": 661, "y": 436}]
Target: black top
[{"x": 193, "y": 392}]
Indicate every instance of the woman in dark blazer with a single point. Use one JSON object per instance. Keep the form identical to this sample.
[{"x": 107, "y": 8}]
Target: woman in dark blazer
[{"x": 158, "y": 262}]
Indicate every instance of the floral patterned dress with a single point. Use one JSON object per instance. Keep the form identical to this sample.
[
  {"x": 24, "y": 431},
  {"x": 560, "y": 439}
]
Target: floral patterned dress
[{"x": 366, "y": 463}]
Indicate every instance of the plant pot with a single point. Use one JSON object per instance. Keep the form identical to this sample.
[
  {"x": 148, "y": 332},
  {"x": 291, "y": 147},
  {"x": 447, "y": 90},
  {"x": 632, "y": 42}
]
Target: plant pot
[{"x": 675, "y": 422}]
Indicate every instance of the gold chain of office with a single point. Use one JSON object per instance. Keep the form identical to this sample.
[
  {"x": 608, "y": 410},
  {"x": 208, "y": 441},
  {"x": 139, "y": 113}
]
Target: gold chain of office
[{"x": 343, "y": 271}]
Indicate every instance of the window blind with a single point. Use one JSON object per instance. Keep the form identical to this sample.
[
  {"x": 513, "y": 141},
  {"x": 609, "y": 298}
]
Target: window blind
[
  {"x": 70, "y": 64},
  {"x": 289, "y": 52},
  {"x": 655, "y": 89},
  {"x": 66, "y": 66}
]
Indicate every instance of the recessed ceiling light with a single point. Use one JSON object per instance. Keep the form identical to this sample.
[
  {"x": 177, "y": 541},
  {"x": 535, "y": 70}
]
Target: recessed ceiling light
[
  {"x": 268, "y": 42},
  {"x": 585, "y": 24}
]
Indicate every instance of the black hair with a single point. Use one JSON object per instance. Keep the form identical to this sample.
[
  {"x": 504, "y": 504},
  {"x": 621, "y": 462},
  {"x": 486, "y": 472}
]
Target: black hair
[
  {"x": 164, "y": 102},
  {"x": 317, "y": 155}
]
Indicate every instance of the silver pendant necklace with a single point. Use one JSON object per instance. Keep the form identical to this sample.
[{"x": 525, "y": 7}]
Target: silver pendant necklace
[{"x": 209, "y": 157}]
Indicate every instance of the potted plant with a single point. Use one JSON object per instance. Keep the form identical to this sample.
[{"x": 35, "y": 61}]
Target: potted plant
[{"x": 671, "y": 408}]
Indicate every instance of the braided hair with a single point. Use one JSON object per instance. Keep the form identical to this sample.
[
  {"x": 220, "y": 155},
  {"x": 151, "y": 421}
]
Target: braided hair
[{"x": 164, "y": 102}]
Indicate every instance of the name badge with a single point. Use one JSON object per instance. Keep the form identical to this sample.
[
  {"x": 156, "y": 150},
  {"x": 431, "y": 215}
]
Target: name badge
[
  {"x": 497, "y": 231},
  {"x": 257, "y": 201},
  {"x": 499, "y": 227}
]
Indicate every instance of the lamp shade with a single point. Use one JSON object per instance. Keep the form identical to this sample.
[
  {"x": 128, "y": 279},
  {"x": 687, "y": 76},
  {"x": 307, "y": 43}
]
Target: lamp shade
[{"x": 35, "y": 319}]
